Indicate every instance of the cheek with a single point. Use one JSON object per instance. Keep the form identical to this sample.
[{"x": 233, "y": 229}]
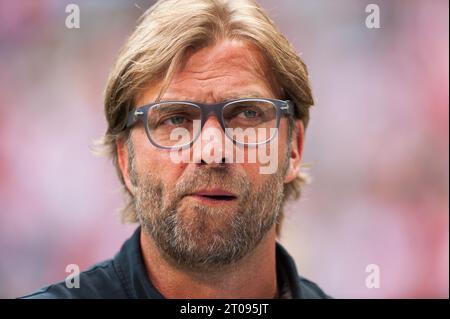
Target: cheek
[
  {"x": 273, "y": 153},
  {"x": 271, "y": 161},
  {"x": 252, "y": 172},
  {"x": 155, "y": 161}
]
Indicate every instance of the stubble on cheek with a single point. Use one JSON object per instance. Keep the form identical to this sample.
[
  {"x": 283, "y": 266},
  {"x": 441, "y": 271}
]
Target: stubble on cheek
[{"x": 198, "y": 235}]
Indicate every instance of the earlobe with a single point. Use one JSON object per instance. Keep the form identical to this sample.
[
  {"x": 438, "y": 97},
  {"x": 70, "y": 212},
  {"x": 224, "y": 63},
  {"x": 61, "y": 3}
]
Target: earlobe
[
  {"x": 296, "y": 152},
  {"x": 122, "y": 159}
]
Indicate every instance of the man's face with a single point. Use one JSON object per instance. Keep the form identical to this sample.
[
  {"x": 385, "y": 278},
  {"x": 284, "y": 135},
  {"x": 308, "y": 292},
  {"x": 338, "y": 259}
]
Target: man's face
[{"x": 203, "y": 214}]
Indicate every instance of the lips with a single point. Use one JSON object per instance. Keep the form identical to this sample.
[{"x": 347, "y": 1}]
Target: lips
[{"x": 215, "y": 194}]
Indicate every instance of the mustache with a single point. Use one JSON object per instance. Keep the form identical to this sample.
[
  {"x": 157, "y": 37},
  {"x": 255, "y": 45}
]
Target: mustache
[{"x": 212, "y": 177}]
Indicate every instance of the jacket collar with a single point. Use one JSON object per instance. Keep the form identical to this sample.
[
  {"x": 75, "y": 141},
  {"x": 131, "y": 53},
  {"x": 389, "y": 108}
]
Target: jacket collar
[{"x": 130, "y": 267}]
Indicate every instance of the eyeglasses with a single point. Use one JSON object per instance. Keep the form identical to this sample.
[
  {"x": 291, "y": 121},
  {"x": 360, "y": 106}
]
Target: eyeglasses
[{"x": 177, "y": 124}]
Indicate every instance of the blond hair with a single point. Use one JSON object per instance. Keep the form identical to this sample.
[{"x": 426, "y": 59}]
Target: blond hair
[{"x": 161, "y": 39}]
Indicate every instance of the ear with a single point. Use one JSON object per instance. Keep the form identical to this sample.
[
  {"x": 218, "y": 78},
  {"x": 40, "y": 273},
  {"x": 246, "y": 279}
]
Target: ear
[
  {"x": 296, "y": 152},
  {"x": 122, "y": 158}
]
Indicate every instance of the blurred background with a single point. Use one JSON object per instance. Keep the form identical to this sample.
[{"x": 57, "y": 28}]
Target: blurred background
[{"x": 378, "y": 140}]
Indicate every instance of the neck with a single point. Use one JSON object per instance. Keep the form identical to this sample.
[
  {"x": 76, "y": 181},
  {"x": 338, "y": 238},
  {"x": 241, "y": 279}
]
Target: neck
[{"x": 254, "y": 276}]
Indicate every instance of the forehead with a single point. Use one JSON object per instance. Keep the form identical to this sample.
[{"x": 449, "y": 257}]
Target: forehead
[
  {"x": 224, "y": 56},
  {"x": 226, "y": 70}
]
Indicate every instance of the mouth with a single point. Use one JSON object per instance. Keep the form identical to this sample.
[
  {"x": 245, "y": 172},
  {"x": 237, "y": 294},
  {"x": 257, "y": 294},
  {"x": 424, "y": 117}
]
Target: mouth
[{"x": 214, "y": 196}]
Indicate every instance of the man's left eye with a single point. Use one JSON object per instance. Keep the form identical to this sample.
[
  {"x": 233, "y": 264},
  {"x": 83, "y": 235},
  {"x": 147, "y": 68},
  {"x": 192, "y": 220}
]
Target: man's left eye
[{"x": 248, "y": 114}]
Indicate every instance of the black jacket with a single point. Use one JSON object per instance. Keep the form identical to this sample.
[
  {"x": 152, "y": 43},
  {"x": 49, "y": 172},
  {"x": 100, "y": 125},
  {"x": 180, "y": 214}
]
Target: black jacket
[{"x": 125, "y": 276}]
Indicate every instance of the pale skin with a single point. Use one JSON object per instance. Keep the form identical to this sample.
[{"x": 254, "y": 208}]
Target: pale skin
[{"x": 211, "y": 75}]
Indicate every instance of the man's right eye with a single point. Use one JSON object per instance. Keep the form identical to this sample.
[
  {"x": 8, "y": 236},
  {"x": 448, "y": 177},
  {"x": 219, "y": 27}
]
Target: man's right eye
[{"x": 174, "y": 120}]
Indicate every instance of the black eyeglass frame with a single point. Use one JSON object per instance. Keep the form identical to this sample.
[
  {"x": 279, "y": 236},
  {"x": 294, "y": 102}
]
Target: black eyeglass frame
[{"x": 282, "y": 107}]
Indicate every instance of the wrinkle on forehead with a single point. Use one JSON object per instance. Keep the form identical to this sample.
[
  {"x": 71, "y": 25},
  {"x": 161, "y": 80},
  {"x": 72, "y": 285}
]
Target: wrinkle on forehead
[
  {"x": 210, "y": 67},
  {"x": 209, "y": 60}
]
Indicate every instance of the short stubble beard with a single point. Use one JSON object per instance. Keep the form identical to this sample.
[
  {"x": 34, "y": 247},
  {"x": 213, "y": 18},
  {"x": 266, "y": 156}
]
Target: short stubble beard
[{"x": 200, "y": 237}]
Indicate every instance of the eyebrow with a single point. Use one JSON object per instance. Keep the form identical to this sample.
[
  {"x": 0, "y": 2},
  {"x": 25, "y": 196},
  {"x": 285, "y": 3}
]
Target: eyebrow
[{"x": 243, "y": 95}]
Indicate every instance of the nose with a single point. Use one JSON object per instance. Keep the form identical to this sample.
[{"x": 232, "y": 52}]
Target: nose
[{"x": 210, "y": 147}]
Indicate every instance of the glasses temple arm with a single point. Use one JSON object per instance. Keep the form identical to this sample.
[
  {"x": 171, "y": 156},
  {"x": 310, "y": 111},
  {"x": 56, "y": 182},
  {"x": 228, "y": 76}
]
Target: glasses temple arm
[
  {"x": 288, "y": 108},
  {"x": 132, "y": 118}
]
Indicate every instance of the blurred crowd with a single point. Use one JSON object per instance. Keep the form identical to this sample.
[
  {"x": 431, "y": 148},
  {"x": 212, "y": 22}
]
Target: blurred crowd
[{"x": 378, "y": 143}]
